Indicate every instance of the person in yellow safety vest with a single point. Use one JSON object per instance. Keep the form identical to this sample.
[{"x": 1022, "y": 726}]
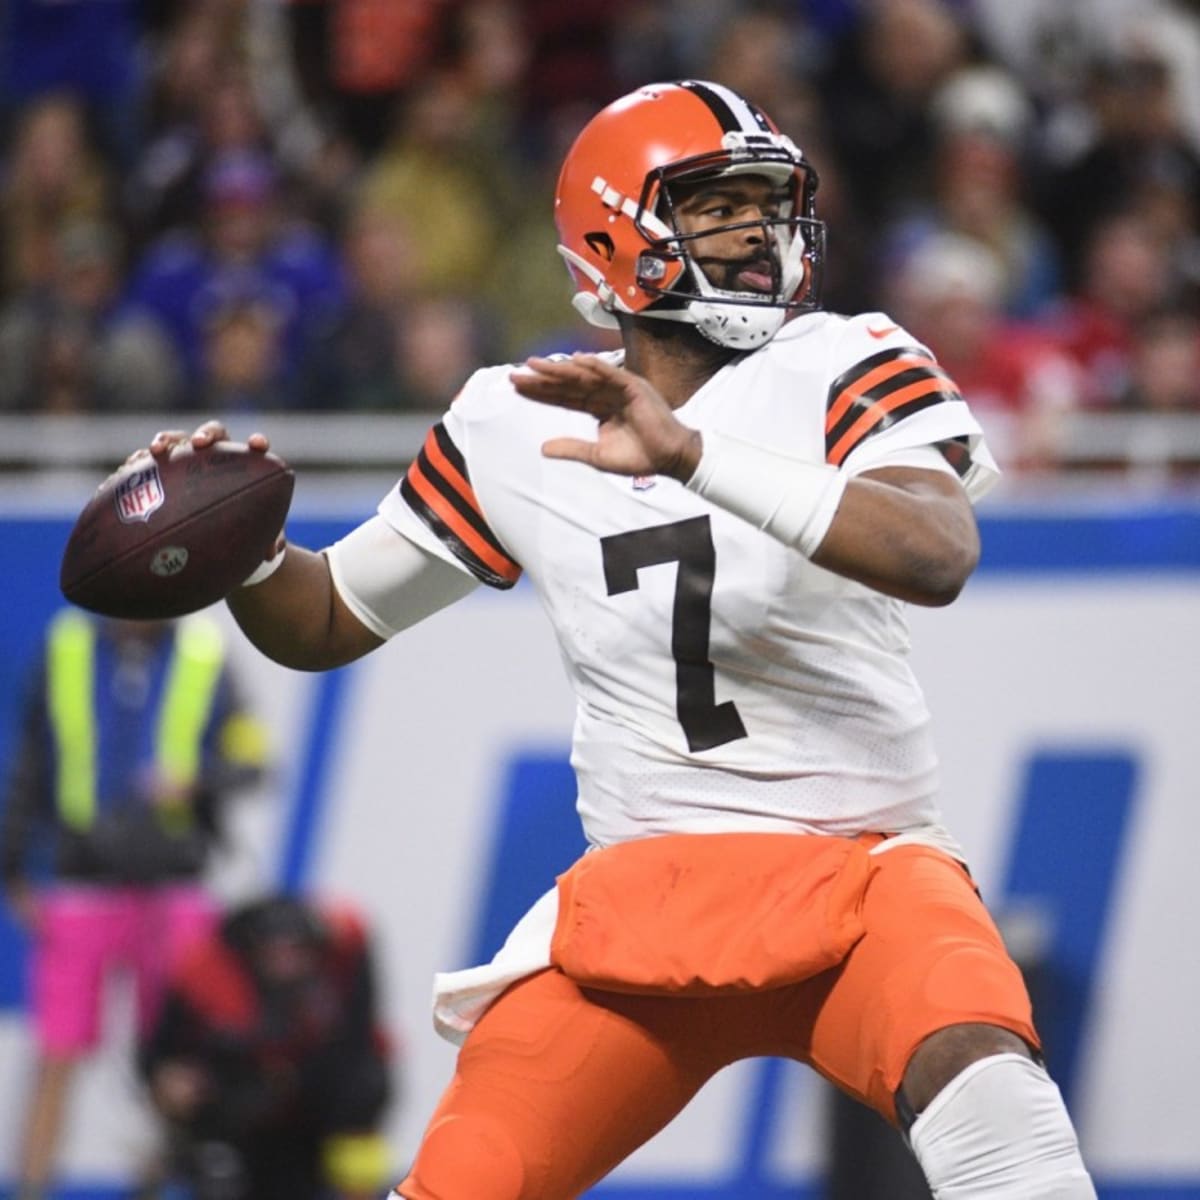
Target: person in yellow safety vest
[{"x": 133, "y": 736}]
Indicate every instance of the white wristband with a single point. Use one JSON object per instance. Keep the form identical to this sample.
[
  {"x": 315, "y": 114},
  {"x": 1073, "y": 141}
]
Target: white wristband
[
  {"x": 792, "y": 500},
  {"x": 266, "y": 568}
]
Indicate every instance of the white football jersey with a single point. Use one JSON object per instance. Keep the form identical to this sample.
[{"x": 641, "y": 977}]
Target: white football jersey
[{"x": 723, "y": 681}]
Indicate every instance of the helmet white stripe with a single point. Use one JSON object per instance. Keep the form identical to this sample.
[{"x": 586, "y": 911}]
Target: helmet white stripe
[{"x": 741, "y": 109}]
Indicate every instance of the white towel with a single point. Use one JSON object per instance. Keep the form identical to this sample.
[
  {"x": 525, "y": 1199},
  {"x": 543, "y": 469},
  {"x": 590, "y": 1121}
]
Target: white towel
[{"x": 460, "y": 998}]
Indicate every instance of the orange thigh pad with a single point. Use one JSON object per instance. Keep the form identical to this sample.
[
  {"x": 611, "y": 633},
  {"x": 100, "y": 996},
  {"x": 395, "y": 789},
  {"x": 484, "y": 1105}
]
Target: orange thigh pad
[{"x": 931, "y": 957}]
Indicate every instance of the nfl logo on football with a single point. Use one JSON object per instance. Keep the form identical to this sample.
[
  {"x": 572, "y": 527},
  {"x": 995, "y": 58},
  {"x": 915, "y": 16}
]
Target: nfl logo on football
[{"x": 139, "y": 494}]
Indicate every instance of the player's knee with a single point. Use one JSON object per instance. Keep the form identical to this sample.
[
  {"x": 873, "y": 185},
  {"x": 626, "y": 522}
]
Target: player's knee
[
  {"x": 466, "y": 1156},
  {"x": 943, "y": 1055},
  {"x": 1000, "y": 1131}
]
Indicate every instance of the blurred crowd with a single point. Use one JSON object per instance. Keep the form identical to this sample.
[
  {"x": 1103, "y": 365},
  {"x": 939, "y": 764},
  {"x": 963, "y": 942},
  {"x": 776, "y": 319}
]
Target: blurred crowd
[{"x": 346, "y": 205}]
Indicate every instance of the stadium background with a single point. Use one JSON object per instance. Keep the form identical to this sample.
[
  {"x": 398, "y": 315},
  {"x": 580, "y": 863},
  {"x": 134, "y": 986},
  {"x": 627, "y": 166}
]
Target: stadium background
[{"x": 429, "y": 783}]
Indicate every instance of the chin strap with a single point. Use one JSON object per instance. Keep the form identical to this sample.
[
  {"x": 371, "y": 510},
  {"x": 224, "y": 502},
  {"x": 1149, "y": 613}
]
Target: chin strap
[{"x": 735, "y": 326}]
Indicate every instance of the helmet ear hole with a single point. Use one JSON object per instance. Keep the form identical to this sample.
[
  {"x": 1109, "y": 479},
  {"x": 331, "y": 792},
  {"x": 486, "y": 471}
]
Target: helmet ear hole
[{"x": 600, "y": 243}]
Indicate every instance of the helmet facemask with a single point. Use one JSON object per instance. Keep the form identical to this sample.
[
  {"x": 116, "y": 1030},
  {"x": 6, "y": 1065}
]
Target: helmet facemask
[{"x": 792, "y": 244}]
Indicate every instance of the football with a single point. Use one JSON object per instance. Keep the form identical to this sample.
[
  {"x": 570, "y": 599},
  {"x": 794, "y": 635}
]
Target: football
[{"x": 164, "y": 537}]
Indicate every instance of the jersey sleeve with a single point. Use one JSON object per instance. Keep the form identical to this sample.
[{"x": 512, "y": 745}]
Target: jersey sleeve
[
  {"x": 888, "y": 394},
  {"x": 436, "y": 506}
]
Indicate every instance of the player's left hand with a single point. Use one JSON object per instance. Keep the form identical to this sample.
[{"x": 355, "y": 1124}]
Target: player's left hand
[{"x": 637, "y": 434}]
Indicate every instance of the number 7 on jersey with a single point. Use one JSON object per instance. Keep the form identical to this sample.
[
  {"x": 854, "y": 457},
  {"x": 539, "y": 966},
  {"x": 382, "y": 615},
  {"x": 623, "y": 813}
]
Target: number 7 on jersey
[{"x": 706, "y": 723}]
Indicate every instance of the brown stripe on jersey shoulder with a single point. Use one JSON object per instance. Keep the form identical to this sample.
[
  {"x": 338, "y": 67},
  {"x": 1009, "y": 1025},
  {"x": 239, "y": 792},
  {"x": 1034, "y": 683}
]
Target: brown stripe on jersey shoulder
[
  {"x": 437, "y": 487},
  {"x": 879, "y": 391}
]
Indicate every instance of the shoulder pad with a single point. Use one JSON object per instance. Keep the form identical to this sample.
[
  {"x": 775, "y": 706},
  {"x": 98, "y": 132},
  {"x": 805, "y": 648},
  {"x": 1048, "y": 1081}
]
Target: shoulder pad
[{"x": 880, "y": 376}]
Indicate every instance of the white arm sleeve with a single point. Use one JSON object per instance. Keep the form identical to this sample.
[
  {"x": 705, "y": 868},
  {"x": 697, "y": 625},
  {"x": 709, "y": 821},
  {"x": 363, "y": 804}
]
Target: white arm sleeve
[
  {"x": 794, "y": 501},
  {"x": 388, "y": 581}
]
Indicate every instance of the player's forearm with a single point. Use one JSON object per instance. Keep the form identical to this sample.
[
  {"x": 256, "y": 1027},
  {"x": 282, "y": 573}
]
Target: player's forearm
[
  {"x": 295, "y": 618},
  {"x": 906, "y": 532},
  {"x": 915, "y": 539}
]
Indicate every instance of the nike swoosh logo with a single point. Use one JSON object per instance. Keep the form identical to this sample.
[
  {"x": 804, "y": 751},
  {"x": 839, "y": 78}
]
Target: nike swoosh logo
[{"x": 882, "y": 333}]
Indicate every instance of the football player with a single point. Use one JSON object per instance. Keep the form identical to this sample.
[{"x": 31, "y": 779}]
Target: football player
[{"x": 768, "y": 872}]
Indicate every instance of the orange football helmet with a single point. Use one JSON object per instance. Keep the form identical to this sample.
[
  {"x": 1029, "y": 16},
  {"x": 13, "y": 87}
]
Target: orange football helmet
[{"x": 616, "y": 220}]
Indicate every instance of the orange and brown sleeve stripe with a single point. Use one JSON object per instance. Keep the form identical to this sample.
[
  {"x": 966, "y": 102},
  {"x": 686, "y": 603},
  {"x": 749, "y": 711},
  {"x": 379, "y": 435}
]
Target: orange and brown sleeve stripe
[
  {"x": 877, "y": 393},
  {"x": 438, "y": 489}
]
